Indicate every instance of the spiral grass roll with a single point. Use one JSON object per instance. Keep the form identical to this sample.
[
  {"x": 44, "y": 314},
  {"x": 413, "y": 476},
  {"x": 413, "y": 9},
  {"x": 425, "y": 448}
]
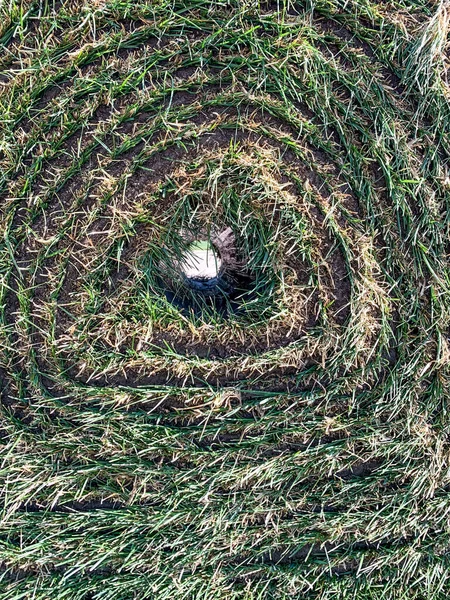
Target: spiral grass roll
[{"x": 280, "y": 432}]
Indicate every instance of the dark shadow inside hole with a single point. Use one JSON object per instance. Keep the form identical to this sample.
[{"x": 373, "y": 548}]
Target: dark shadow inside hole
[
  {"x": 218, "y": 294},
  {"x": 211, "y": 278}
]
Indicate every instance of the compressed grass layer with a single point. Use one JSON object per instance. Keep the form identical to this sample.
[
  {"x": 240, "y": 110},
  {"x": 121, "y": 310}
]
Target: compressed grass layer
[{"x": 293, "y": 441}]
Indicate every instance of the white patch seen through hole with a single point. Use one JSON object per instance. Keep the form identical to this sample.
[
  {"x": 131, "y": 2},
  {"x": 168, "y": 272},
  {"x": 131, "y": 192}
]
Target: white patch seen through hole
[{"x": 201, "y": 261}]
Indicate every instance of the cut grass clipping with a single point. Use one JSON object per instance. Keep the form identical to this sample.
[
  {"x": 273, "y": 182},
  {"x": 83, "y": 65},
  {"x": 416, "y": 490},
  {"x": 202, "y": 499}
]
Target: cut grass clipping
[{"x": 274, "y": 427}]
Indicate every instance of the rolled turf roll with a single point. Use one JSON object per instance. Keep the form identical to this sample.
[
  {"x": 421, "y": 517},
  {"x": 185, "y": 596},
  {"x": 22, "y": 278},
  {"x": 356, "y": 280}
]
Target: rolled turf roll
[{"x": 275, "y": 430}]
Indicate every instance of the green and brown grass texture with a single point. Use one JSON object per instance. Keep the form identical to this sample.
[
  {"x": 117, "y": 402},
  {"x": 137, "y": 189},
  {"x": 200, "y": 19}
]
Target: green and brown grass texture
[{"x": 295, "y": 443}]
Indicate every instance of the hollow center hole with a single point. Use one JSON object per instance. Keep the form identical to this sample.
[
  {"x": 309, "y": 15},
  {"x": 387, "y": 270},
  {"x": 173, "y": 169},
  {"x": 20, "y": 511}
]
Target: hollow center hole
[{"x": 201, "y": 261}]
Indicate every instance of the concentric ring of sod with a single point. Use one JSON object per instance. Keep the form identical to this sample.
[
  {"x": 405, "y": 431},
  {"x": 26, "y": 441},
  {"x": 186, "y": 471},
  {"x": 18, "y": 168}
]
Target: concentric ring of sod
[
  {"x": 265, "y": 426},
  {"x": 203, "y": 151}
]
